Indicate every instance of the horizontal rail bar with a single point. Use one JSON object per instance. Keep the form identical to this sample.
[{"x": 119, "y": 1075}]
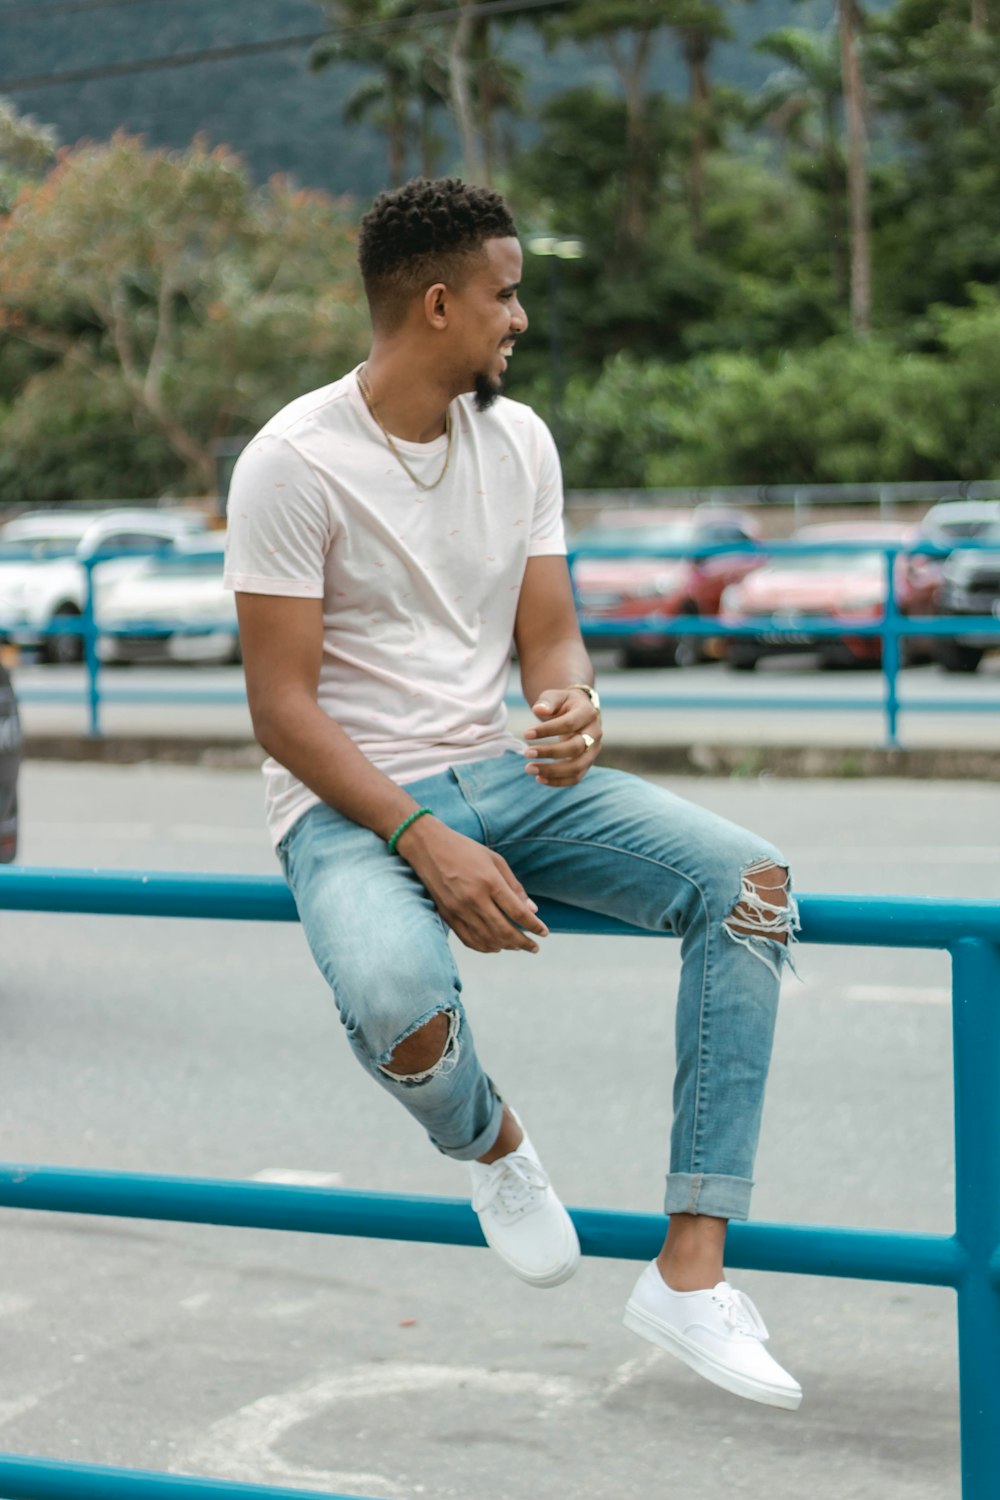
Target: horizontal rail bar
[
  {"x": 24, "y": 1478},
  {"x": 880, "y": 921},
  {"x": 866, "y": 1254}
]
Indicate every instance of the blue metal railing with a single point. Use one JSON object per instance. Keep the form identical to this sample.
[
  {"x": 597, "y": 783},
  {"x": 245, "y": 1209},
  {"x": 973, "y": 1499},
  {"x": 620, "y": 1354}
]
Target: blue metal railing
[
  {"x": 967, "y": 1260},
  {"x": 892, "y": 628}
]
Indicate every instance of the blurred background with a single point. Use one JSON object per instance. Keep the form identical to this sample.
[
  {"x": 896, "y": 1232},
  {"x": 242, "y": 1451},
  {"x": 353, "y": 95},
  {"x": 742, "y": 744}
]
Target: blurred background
[{"x": 764, "y": 237}]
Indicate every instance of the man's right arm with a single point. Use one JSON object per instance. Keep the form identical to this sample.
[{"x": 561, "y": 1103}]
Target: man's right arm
[{"x": 474, "y": 889}]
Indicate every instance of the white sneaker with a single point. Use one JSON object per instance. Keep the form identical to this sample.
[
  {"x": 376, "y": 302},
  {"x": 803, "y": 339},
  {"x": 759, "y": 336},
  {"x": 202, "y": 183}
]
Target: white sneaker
[
  {"x": 718, "y": 1332},
  {"x": 522, "y": 1218}
]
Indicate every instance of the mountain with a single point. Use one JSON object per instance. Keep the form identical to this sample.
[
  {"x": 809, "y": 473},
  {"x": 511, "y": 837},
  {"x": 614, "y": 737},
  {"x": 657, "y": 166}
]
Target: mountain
[{"x": 281, "y": 117}]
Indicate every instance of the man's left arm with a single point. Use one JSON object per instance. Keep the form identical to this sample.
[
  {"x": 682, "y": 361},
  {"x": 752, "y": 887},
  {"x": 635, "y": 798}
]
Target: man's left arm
[{"x": 554, "y": 663}]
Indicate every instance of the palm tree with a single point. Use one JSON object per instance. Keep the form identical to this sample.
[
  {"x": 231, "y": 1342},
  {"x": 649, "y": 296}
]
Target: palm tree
[
  {"x": 801, "y": 102},
  {"x": 849, "y": 20},
  {"x": 404, "y": 71}
]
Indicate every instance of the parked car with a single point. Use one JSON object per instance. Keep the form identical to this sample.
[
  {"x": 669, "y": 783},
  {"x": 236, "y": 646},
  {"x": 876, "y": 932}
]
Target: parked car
[
  {"x": 10, "y": 764},
  {"x": 620, "y": 590},
  {"x": 42, "y": 575},
  {"x": 142, "y": 610},
  {"x": 970, "y": 585},
  {"x": 795, "y": 590},
  {"x": 951, "y": 521}
]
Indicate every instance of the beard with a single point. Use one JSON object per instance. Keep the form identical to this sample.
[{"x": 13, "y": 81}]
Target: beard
[{"x": 486, "y": 392}]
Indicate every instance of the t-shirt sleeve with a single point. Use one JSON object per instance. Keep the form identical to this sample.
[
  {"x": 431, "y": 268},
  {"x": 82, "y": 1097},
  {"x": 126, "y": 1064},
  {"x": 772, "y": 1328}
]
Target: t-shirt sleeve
[
  {"x": 279, "y": 527},
  {"x": 548, "y": 536}
]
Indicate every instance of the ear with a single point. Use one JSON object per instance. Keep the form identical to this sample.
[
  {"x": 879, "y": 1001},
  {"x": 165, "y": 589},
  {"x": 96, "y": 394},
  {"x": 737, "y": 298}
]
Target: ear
[{"x": 436, "y": 305}]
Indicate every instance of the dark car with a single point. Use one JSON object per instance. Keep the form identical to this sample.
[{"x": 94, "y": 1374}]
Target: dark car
[
  {"x": 10, "y": 763},
  {"x": 620, "y": 591},
  {"x": 970, "y": 585}
]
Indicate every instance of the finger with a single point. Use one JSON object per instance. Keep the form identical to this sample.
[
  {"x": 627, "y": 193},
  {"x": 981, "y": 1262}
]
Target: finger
[
  {"x": 514, "y": 901},
  {"x": 573, "y": 747},
  {"x": 564, "y": 724}
]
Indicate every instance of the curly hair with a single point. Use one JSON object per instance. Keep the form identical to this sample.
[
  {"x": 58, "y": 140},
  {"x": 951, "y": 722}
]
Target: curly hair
[{"x": 425, "y": 231}]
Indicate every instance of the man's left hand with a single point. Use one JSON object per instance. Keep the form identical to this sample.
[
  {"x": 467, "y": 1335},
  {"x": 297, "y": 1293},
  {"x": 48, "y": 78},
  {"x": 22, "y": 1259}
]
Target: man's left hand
[{"x": 565, "y": 743}]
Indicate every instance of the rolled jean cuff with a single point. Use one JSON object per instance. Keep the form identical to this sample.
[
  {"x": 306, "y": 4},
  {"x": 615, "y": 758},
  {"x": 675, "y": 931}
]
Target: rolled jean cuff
[
  {"x": 716, "y": 1197},
  {"x": 483, "y": 1141}
]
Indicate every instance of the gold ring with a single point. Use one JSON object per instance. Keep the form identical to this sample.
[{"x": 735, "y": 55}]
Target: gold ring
[{"x": 588, "y": 740}]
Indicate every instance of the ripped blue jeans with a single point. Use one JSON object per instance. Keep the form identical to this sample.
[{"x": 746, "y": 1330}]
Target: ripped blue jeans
[{"x": 614, "y": 844}]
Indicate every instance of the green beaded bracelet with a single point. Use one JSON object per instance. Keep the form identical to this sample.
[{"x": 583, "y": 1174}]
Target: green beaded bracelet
[{"x": 394, "y": 838}]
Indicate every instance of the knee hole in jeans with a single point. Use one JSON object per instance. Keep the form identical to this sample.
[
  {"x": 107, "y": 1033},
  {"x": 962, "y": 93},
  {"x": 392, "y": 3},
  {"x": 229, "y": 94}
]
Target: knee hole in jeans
[
  {"x": 764, "y": 911},
  {"x": 430, "y": 1050}
]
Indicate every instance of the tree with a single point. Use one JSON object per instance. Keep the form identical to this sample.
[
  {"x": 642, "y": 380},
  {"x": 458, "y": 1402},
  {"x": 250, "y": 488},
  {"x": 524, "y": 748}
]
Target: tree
[
  {"x": 185, "y": 301},
  {"x": 849, "y": 28},
  {"x": 628, "y": 31},
  {"x": 26, "y": 150},
  {"x": 410, "y": 77},
  {"x": 801, "y": 103},
  {"x": 934, "y": 69}
]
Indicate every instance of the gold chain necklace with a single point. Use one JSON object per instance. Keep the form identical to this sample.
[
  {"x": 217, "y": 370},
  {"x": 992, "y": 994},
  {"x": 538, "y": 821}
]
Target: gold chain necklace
[{"x": 365, "y": 390}]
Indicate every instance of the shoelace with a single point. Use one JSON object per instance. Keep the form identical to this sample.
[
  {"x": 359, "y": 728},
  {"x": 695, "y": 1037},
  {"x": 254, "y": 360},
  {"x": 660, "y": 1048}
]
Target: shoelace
[
  {"x": 514, "y": 1187},
  {"x": 739, "y": 1312}
]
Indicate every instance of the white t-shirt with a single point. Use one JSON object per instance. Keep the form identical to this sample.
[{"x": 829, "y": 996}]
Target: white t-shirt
[{"x": 419, "y": 588}]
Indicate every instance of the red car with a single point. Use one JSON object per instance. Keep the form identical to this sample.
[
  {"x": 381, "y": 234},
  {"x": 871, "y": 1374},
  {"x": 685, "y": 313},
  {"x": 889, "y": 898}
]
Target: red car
[
  {"x": 845, "y": 586},
  {"x": 616, "y": 591}
]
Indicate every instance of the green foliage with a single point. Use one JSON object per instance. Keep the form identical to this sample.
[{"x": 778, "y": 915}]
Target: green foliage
[
  {"x": 168, "y": 303},
  {"x": 843, "y": 411}
]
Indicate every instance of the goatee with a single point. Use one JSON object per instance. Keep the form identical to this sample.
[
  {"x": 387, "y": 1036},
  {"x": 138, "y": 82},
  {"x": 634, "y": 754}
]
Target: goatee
[{"x": 486, "y": 392}]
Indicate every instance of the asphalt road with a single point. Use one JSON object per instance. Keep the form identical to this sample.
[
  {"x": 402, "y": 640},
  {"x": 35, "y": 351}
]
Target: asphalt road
[
  {"x": 395, "y": 1371},
  {"x": 209, "y": 700}
]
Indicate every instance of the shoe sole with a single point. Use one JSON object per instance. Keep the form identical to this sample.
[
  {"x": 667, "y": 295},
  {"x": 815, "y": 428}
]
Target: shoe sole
[
  {"x": 639, "y": 1321},
  {"x": 555, "y": 1277}
]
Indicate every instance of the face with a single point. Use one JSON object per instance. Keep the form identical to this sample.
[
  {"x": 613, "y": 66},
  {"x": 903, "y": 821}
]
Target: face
[{"x": 485, "y": 319}]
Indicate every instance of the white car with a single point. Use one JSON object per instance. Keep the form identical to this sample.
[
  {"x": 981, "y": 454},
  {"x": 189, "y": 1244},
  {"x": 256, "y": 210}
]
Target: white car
[
  {"x": 43, "y": 577},
  {"x": 171, "y": 608}
]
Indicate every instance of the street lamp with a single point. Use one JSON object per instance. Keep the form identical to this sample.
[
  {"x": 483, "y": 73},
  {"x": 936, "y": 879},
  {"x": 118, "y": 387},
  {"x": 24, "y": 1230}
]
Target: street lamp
[{"x": 557, "y": 248}]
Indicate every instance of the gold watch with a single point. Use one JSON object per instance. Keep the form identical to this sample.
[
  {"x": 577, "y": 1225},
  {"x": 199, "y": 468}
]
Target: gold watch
[{"x": 591, "y": 693}]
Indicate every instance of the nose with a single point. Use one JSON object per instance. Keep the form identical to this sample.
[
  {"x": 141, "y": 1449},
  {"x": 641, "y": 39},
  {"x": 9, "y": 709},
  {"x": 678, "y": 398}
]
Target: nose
[{"x": 518, "y": 318}]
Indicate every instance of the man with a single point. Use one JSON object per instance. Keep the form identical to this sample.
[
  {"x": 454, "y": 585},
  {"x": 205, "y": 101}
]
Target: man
[{"x": 390, "y": 536}]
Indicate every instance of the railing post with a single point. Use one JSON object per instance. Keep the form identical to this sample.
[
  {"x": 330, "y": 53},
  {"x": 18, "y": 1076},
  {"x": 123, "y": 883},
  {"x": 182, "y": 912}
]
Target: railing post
[
  {"x": 890, "y": 651},
  {"x": 90, "y": 657},
  {"x": 976, "y": 1023}
]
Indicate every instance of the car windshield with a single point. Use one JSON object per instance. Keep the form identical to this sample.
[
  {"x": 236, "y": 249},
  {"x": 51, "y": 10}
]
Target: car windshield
[
  {"x": 955, "y": 531},
  {"x": 185, "y": 564},
  {"x": 652, "y": 538},
  {"x": 36, "y": 549},
  {"x": 826, "y": 562}
]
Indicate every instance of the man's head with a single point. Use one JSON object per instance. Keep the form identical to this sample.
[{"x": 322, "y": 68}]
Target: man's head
[{"x": 443, "y": 256}]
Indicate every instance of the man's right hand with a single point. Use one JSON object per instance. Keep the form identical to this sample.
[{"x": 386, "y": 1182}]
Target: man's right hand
[{"x": 475, "y": 891}]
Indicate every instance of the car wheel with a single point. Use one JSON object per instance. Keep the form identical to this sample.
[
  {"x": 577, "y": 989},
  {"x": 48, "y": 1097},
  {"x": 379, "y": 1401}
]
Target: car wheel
[
  {"x": 63, "y": 650},
  {"x": 650, "y": 656},
  {"x": 741, "y": 657},
  {"x": 689, "y": 650},
  {"x": 955, "y": 657}
]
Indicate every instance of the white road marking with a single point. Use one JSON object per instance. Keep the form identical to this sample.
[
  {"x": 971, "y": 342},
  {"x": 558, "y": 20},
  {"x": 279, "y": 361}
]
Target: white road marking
[
  {"x": 898, "y": 994},
  {"x": 11, "y": 1410},
  {"x": 629, "y": 1371},
  {"x": 297, "y": 1177},
  {"x": 195, "y": 1302},
  {"x": 208, "y": 833},
  {"x": 934, "y": 854},
  {"x": 244, "y": 1445}
]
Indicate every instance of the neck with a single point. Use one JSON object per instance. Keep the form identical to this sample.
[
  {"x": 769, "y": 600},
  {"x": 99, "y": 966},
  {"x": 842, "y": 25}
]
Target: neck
[{"x": 411, "y": 399}]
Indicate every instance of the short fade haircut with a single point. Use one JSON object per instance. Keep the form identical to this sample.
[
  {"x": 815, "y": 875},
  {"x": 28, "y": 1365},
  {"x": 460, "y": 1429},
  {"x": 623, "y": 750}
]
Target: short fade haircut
[{"x": 423, "y": 232}]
